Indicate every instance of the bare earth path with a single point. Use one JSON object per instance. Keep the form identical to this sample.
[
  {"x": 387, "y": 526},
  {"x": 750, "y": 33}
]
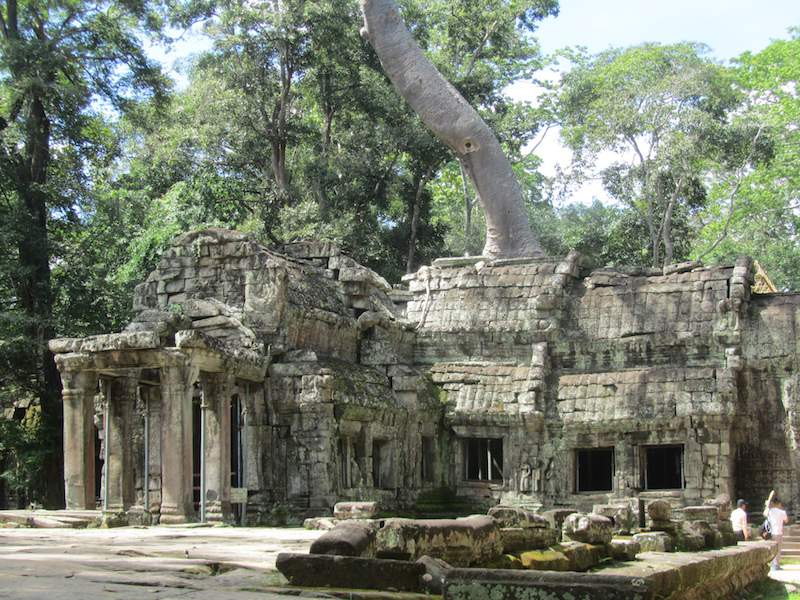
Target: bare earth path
[{"x": 133, "y": 563}]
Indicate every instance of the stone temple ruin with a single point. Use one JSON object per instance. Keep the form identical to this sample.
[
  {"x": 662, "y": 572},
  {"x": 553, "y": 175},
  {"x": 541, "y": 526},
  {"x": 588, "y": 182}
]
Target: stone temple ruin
[{"x": 252, "y": 378}]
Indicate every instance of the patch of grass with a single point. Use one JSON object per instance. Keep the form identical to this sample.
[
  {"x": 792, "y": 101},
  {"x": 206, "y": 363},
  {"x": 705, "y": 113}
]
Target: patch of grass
[{"x": 768, "y": 590}]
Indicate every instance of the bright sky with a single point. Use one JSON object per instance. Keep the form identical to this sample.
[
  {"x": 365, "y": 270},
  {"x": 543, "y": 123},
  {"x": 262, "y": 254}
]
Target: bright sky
[{"x": 728, "y": 27}]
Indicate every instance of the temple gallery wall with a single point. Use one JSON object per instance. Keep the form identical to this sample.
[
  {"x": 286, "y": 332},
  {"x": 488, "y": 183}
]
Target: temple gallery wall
[{"x": 251, "y": 379}]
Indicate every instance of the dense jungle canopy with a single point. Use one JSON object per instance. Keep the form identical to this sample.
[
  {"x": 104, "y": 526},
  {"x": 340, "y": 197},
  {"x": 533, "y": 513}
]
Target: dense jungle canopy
[{"x": 288, "y": 128}]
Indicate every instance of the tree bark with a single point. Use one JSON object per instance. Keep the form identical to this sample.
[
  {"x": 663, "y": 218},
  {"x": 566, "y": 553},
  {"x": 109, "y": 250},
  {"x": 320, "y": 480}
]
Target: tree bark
[
  {"x": 35, "y": 291},
  {"x": 451, "y": 119},
  {"x": 412, "y": 238}
]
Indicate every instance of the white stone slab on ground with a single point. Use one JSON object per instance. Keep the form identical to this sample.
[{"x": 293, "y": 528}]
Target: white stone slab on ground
[{"x": 134, "y": 563}]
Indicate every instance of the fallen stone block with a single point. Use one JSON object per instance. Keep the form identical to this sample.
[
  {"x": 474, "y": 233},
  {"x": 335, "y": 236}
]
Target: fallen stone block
[
  {"x": 468, "y": 584},
  {"x": 323, "y": 570},
  {"x": 460, "y": 542},
  {"x": 517, "y": 539},
  {"x": 544, "y": 560},
  {"x": 624, "y": 549},
  {"x": 659, "y": 510},
  {"x": 432, "y": 581},
  {"x": 348, "y": 538},
  {"x": 355, "y": 510},
  {"x": 556, "y": 516},
  {"x": 709, "y": 514},
  {"x": 319, "y": 523},
  {"x": 590, "y": 529},
  {"x": 655, "y": 541},
  {"x": 511, "y": 516},
  {"x": 583, "y": 557}
]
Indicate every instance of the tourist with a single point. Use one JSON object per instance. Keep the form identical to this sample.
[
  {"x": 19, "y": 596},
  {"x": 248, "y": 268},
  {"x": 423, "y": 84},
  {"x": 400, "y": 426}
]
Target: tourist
[
  {"x": 739, "y": 521},
  {"x": 777, "y": 518}
]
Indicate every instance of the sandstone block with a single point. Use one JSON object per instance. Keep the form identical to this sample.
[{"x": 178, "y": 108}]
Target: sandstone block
[
  {"x": 435, "y": 572},
  {"x": 659, "y": 510},
  {"x": 355, "y": 510},
  {"x": 587, "y": 528},
  {"x": 654, "y": 541},
  {"x": 709, "y": 514},
  {"x": 583, "y": 557},
  {"x": 511, "y": 516},
  {"x": 461, "y": 542},
  {"x": 348, "y": 538},
  {"x": 516, "y": 539},
  {"x": 556, "y": 516},
  {"x": 624, "y": 549},
  {"x": 320, "y": 570},
  {"x": 544, "y": 560}
]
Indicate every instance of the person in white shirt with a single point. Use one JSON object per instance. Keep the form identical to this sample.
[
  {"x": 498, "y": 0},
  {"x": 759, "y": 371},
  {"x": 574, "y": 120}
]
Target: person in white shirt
[
  {"x": 739, "y": 521},
  {"x": 777, "y": 517}
]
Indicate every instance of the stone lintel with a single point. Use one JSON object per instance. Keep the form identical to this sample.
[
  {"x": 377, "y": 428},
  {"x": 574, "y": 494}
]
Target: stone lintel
[{"x": 129, "y": 340}]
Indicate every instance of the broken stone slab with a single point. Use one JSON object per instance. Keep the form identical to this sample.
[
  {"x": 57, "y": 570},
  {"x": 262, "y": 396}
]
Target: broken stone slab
[
  {"x": 469, "y": 584},
  {"x": 355, "y": 510},
  {"x": 709, "y": 514},
  {"x": 133, "y": 340},
  {"x": 711, "y": 538},
  {"x": 457, "y": 261},
  {"x": 556, "y": 516},
  {"x": 583, "y": 557},
  {"x": 659, "y": 510},
  {"x": 624, "y": 549},
  {"x": 512, "y": 516},
  {"x": 319, "y": 523},
  {"x": 348, "y": 538},
  {"x": 621, "y": 516},
  {"x": 655, "y": 541},
  {"x": 547, "y": 559},
  {"x": 460, "y": 542},
  {"x": 517, "y": 539},
  {"x": 436, "y": 571},
  {"x": 324, "y": 570},
  {"x": 587, "y": 528}
]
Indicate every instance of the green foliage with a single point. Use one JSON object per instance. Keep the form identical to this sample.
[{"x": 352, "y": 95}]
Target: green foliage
[
  {"x": 664, "y": 110},
  {"x": 23, "y": 449},
  {"x": 754, "y": 210}
]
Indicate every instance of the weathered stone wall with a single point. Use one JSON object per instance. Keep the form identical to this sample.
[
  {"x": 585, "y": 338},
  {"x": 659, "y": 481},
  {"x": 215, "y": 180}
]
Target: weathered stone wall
[
  {"x": 553, "y": 360},
  {"x": 496, "y": 379}
]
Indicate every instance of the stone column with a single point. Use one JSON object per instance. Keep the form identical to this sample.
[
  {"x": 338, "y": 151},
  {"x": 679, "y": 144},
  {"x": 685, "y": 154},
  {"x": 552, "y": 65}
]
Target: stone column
[
  {"x": 176, "y": 444},
  {"x": 120, "y": 467},
  {"x": 79, "y": 387},
  {"x": 217, "y": 390}
]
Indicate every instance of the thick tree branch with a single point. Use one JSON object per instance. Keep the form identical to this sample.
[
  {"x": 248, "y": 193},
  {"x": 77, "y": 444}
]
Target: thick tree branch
[{"x": 451, "y": 119}]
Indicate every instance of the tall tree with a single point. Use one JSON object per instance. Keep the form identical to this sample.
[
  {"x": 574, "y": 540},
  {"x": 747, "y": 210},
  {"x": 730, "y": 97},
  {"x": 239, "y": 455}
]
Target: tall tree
[
  {"x": 663, "y": 110},
  {"x": 59, "y": 62},
  {"x": 754, "y": 203}
]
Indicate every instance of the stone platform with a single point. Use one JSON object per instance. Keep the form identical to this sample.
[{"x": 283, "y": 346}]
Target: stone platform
[
  {"x": 52, "y": 519},
  {"x": 709, "y": 575}
]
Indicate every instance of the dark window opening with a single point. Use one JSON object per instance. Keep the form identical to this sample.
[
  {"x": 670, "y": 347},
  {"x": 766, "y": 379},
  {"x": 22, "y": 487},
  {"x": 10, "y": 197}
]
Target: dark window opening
[
  {"x": 382, "y": 476},
  {"x": 483, "y": 459},
  {"x": 663, "y": 468},
  {"x": 237, "y": 451},
  {"x": 594, "y": 470},
  {"x": 428, "y": 459}
]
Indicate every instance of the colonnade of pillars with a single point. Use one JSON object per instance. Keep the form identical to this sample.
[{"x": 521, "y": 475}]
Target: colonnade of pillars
[{"x": 130, "y": 405}]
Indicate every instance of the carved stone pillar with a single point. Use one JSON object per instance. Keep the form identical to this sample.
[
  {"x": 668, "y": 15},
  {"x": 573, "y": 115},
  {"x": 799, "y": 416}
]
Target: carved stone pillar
[
  {"x": 217, "y": 390},
  {"x": 176, "y": 444},
  {"x": 79, "y": 387},
  {"x": 120, "y": 443}
]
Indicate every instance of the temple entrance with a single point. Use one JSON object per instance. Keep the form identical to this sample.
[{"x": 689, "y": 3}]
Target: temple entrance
[
  {"x": 196, "y": 459},
  {"x": 98, "y": 468},
  {"x": 237, "y": 452}
]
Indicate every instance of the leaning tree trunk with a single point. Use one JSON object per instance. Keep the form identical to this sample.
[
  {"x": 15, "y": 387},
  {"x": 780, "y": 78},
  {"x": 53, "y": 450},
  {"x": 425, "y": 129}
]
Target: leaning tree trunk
[{"x": 455, "y": 123}]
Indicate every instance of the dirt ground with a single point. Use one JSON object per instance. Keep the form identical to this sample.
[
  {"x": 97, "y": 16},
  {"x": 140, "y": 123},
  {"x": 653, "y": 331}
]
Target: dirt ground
[{"x": 190, "y": 563}]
